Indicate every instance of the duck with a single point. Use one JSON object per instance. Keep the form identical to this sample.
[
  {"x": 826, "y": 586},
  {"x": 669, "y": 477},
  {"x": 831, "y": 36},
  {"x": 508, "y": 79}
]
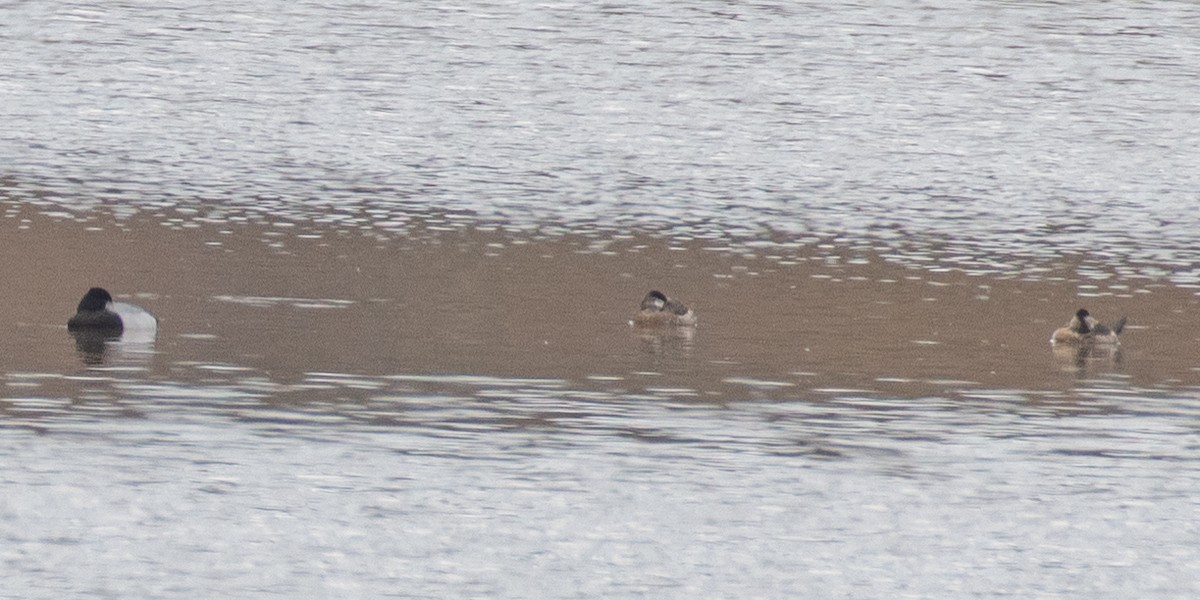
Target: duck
[
  {"x": 1085, "y": 329},
  {"x": 97, "y": 312},
  {"x": 657, "y": 310}
]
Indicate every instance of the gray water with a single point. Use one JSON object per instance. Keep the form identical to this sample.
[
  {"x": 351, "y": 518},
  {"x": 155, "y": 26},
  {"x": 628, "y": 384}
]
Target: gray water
[{"x": 394, "y": 246}]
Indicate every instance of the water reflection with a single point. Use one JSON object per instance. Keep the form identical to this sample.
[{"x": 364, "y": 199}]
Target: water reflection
[
  {"x": 1089, "y": 358},
  {"x": 93, "y": 344},
  {"x": 96, "y": 348},
  {"x": 665, "y": 341}
]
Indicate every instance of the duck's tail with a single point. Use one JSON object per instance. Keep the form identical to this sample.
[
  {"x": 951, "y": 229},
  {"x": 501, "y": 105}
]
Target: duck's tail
[{"x": 1119, "y": 325}]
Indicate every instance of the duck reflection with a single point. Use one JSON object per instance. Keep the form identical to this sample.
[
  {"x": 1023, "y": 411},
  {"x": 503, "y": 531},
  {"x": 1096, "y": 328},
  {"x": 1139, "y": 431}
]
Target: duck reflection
[
  {"x": 666, "y": 341},
  {"x": 1089, "y": 358},
  {"x": 104, "y": 348},
  {"x": 92, "y": 345}
]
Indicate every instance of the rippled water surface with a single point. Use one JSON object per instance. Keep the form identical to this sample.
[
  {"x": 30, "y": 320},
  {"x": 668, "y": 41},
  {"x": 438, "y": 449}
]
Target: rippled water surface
[{"x": 394, "y": 251}]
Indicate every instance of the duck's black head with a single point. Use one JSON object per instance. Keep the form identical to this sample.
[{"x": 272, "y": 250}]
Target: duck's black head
[
  {"x": 95, "y": 299},
  {"x": 655, "y": 300},
  {"x": 1082, "y": 316}
]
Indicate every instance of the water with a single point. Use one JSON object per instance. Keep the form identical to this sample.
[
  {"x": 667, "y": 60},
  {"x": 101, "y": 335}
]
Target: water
[{"x": 394, "y": 250}]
